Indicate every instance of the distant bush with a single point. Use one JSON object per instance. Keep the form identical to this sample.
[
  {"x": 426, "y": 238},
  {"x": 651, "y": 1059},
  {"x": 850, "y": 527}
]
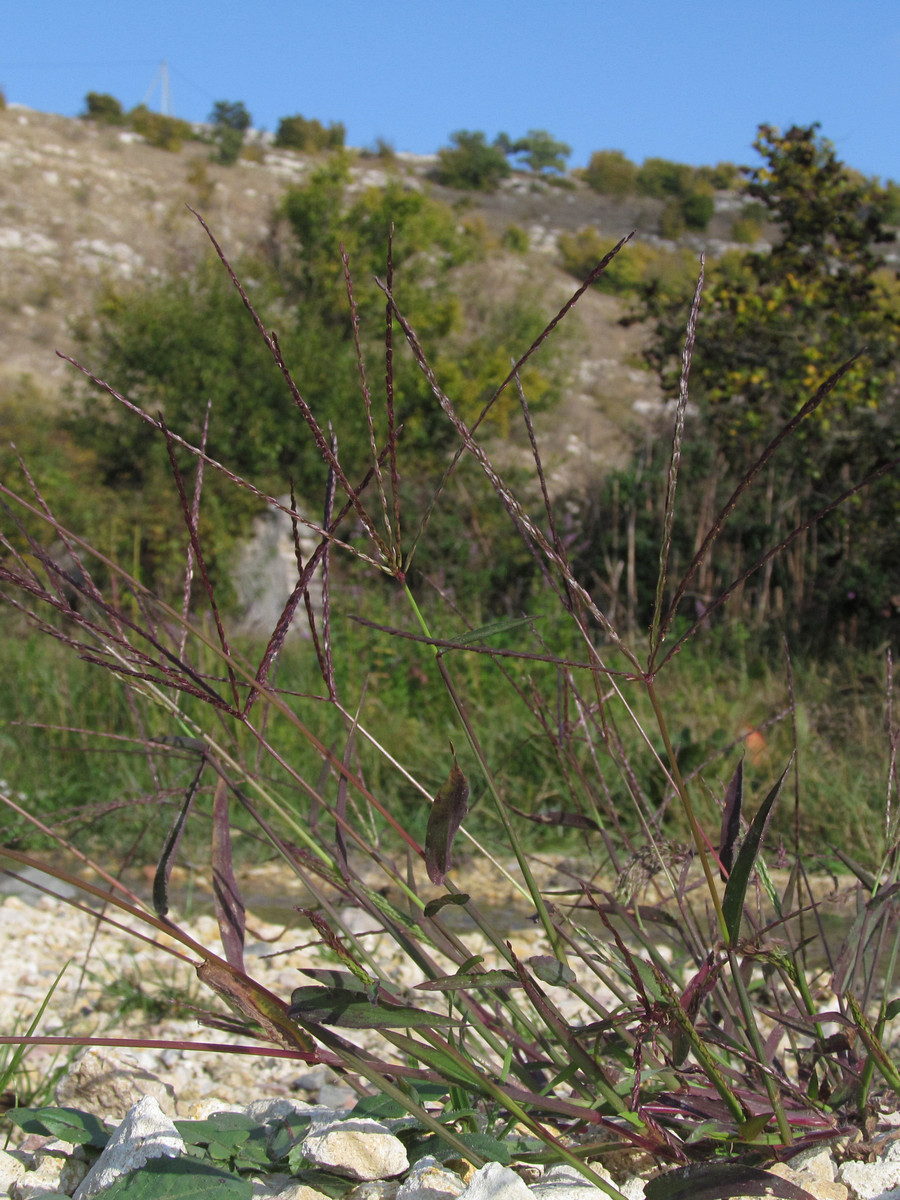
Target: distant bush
[
  {"x": 230, "y": 114},
  {"x": 253, "y": 152},
  {"x": 515, "y": 238},
  {"x": 611, "y": 174},
  {"x": 748, "y": 224},
  {"x": 100, "y": 106},
  {"x": 724, "y": 176},
  {"x": 383, "y": 150},
  {"x": 309, "y": 135},
  {"x": 697, "y": 207},
  {"x": 166, "y": 133},
  {"x": 230, "y": 121},
  {"x": 2, "y": 100},
  {"x": 671, "y": 220},
  {"x": 198, "y": 177},
  {"x": 471, "y": 163},
  {"x": 228, "y": 145},
  {"x": 891, "y": 203},
  {"x": 636, "y": 268},
  {"x": 660, "y": 178},
  {"x": 540, "y": 151}
]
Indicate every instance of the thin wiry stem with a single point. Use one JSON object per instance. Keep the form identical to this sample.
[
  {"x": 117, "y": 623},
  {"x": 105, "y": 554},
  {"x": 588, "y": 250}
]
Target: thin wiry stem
[
  {"x": 197, "y": 551},
  {"x": 523, "y": 523},
  {"x": 592, "y": 278},
  {"x": 393, "y": 431},
  {"x": 195, "y": 517},
  {"x": 271, "y": 340},
  {"x": 237, "y": 480},
  {"x": 675, "y": 462},
  {"x": 718, "y": 524},
  {"x": 367, "y": 404},
  {"x": 774, "y": 551}
]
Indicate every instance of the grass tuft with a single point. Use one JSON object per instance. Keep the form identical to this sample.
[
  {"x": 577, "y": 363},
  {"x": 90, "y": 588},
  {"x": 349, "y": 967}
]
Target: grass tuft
[{"x": 676, "y": 1004}]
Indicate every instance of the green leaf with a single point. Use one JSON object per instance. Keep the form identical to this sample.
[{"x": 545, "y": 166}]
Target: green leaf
[
  {"x": 345, "y": 1008},
  {"x": 487, "y": 1147},
  {"x": 379, "y": 1108},
  {"x": 227, "y": 1137},
  {"x": 878, "y": 1055},
  {"x": 67, "y": 1124},
  {"x": 447, "y": 814},
  {"x": 752, "y": 1128},
  {"x": 454, "y": 983},
  {"x": 731, "y": 818},
  {"x": 15, "y": 1060},
  {"x": 182, "y": 1178},
  {"x": 433, "y": 907},
  {"x": 448, "y": 1067},
  {"x": 739, "y": 879},
  {"x": 336, "y": 979},
  {"x": 892, "y": 1010},
  {"x": 551, "y": 971}
]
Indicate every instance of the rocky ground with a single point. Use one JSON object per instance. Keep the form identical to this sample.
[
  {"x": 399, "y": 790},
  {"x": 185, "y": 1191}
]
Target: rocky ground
[{"x": 111, "y": 988}]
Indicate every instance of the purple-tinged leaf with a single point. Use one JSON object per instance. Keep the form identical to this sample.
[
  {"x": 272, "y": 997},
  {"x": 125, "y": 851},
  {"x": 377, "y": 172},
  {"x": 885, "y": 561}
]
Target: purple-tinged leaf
[
  {"x": 447, "y": 814},
  {"x": 229, "y": 905},
  {"x": 721, "y": 1181},
  {"x": 731, "y": 819}
]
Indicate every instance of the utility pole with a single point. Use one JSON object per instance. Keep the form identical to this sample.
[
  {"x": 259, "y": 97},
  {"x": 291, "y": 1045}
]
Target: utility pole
[{"x": 165, "y": 93}]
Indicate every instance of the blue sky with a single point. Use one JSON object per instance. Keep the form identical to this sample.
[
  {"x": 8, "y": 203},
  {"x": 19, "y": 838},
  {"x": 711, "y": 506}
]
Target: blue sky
[{"x": 688, "y": 80}]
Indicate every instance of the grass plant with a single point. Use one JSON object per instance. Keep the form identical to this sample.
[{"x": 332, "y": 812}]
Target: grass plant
[{"x": 675, "y": 1012}]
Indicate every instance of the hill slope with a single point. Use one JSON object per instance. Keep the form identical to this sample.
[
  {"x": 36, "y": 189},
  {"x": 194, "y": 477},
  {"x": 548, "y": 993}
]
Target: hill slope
[{"x": 81, "y": 203}]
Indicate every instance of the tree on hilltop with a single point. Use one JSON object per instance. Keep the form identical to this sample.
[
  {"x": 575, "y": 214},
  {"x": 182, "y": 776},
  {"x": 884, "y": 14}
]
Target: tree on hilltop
[{"x": 230, "y": 121}]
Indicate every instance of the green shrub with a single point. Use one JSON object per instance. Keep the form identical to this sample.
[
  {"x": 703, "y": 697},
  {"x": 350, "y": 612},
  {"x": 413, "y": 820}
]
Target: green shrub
[
  {"x": 166, "y": 133},
  {"x": 660, "y": 178},
  {"x": 724, "y": 176},
  {"x": 634, "y": 269},
  {"x": 228, "y": 145},
  {"x": 610, "y": 173},
  {"x": 230, "y": 121},
  {"x": 383, "y": 150},
  {"x": 309, "y": 135},
  {"x": 891, "y": 203},
  {"x": 253, "y": 152},
  {"x": 471, "y": 163},
  {"x": 199, "y": 179},
  {"x": 697, "y": 207},
  {"x": 671, "y": 220},
  {"x": 747, "y": 226},
  {"x": 515, "y": 238},
  {"x": 100, "y": 106}
]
